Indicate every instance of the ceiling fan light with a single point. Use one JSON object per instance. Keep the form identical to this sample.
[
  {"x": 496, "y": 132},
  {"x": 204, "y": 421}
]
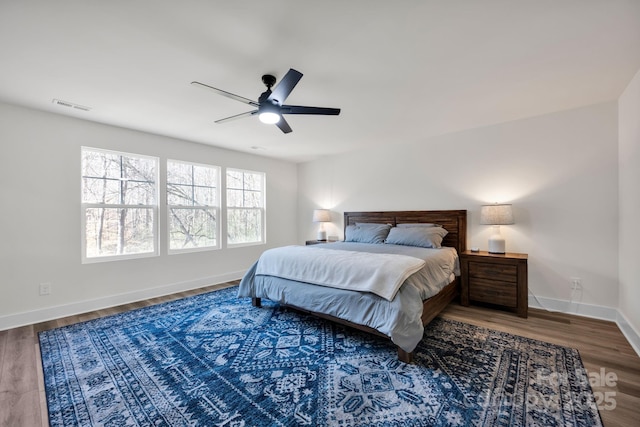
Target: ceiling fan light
[{"x": 269, "y": 117}]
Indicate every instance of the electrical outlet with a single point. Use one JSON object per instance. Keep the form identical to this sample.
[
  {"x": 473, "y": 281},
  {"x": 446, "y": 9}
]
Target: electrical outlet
[
  {"x": 576, "y": 283},
  {"x": 45, "y": 288}
]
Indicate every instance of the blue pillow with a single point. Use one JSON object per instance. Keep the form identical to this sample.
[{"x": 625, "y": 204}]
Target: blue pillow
[
  {"x": 424, "y": 237},
  {"x": 369, "y": 233}
]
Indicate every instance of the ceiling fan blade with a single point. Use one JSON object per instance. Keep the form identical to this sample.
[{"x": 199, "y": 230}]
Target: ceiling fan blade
[
  {"x": 284, "y": 126},
  {"x": 237, "y": 116},
  {"x": 227, "y": 94},
  {"x": 300, "y": 109},
  {"x": 286, "y": 85}
]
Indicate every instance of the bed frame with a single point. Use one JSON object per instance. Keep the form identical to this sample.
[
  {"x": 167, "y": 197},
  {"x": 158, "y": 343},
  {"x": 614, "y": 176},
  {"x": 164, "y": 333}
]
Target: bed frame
[{"x": 454, "y": 221}]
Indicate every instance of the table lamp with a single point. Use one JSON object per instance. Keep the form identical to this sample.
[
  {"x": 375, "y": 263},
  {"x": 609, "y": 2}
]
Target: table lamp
[
  {"x": 321, "y": 216},
  {"x": 496, "y": 215}
]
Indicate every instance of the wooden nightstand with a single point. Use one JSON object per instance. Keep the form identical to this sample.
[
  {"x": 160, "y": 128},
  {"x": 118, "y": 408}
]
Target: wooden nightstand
[{"x": 496, "y": 279}]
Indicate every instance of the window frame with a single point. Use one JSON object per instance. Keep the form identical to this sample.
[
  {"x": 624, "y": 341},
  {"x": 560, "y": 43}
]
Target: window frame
[
  {"x": 84, "y": 206},
  {"x": 217, "y": 209},
  {"x": 262, "y": 210}
]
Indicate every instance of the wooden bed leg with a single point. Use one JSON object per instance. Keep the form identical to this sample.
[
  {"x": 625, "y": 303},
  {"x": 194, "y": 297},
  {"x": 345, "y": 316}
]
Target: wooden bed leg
[
  {"x": 404, "y": 356},
  {"x": 256, "y": 302}
]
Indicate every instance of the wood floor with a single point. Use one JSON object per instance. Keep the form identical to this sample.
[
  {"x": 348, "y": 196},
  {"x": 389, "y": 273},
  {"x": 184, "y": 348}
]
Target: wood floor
[{"x": 603, "y": 349}]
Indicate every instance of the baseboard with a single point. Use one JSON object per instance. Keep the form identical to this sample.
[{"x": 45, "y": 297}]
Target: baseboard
[
  {"x": 593, "y": 311},
  {"x": 629, "y": 332},
  {"x": 577, "y": 308},
  {"x": 57, "y": 312}
]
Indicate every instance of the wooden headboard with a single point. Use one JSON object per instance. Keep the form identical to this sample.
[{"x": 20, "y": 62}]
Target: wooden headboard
[{"x": 454, "y": 221}]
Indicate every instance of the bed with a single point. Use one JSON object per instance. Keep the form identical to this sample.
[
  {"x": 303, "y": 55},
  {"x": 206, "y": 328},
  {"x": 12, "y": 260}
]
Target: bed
[{"x": 407, "y": 310}]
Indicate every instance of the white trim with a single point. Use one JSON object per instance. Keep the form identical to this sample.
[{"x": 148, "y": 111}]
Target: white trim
[
  {"x": 629, "y": 332},
  {"x": 576, "y": 308},
  {"x": 57, "y": 312},
  {"x": 593, "y": 311},
  {"x": 244, "y": 245}
]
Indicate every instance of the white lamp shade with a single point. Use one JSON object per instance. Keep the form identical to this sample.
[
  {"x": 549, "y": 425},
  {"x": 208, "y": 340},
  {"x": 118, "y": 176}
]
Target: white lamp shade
[
  {"x": 496, "y": 214},
  {"x": 321, "y": 215}
]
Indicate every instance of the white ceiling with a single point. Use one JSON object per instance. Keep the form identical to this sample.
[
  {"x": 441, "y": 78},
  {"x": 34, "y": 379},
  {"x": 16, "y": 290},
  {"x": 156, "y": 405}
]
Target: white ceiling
[{"x": 401, "y": 71}]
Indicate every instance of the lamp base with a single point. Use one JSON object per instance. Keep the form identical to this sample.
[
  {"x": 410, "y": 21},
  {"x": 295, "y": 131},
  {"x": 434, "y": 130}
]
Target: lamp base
[
  {"x": 322, "y": 236},
  {"x": 496, "y": 244}
]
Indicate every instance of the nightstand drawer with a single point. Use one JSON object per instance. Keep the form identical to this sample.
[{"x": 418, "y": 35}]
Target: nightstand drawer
[
  {"x": 493, "y": 292},
  {"x": 502, "y": 272}
]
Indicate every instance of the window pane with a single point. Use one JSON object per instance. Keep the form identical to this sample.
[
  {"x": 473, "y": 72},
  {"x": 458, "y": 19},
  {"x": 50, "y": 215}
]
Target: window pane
[
  {"x": 235, "y": 198},
  {"x": 205, "y": 176},
  {"x": 111, "y": 178},
  {"x": 179, "y": 195},
  {"x": 178, "y": 173},
  {"x": 100, "y": 190},
  {"x": 253, "y": 181},
  {"x": 100, "y": 164},
  {"x": 192, "y": 228},
  {"x": 234, "y": 179},
  {"x": 138, "y": 168},
  {"x": 205, "y": 196},
  {"x": 244, "y": 225},
  {"x": 245, "y": 203},
  {"x": 112, "y": 166},
  {"x": 191, "y": 185},
  {"x": 138, "y": 193},
  {"x": 119, "y": 231},
  {"x": 252, "y": 199}
]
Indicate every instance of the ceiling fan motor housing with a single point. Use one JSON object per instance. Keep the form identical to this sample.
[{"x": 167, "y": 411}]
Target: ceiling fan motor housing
[
  {"x": 268, "y": 107},
  {"x": 269, "y": 80}
]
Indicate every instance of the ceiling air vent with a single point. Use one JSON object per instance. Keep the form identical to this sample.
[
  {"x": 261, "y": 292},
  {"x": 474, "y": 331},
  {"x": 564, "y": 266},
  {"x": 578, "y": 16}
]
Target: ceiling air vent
[{"x": 71, "y": 105}]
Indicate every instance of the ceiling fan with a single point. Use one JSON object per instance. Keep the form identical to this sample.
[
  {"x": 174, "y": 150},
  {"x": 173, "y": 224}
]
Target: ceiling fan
[{"x": 270, "y": 105}]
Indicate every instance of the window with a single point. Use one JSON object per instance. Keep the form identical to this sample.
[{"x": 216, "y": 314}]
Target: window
[
  {"x": 193, "y": 196},
  {"x": 245, "y": 207},
  {"x": 119, "y": 205}
]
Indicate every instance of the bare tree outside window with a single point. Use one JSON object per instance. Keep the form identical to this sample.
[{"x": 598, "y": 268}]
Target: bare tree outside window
[
  {"x": 120, "y": 206},
  {"x": 245, "y": 207},
  {"x": 193, "y": 206},
  {"x": 119, "y": 203}
]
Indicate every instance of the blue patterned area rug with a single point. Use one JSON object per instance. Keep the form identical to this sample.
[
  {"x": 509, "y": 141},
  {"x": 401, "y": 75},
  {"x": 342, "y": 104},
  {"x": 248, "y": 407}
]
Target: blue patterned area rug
[{"x": 214, "y": 360}]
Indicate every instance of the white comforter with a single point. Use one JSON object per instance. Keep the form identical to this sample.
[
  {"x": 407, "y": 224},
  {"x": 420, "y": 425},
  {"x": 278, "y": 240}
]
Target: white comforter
[{"x": 380, "y": 274}]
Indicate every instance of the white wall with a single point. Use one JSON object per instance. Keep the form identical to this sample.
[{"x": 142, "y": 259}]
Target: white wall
[
  {"x": 40, "y": 219},
  {"x": 558, "y": 170},
  {"x": 629, "y": 178}
]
